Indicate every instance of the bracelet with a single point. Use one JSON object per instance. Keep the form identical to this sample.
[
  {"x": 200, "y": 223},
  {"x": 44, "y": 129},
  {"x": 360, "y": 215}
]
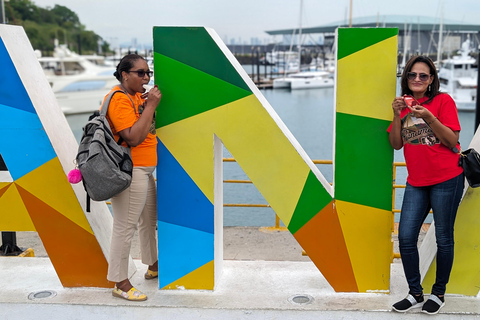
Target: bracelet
[{"x": 434, "y": 119}]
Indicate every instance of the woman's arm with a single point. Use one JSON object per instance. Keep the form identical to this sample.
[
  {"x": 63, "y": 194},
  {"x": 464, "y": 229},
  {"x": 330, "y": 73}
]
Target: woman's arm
[
  {"x": 447, "y": 136},
  {"x": 135, "y": 135},
  {"x": 395, "y": 136}
]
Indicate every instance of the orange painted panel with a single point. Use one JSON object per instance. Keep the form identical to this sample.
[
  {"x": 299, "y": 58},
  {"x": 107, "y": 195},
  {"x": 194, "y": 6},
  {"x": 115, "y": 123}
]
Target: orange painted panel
[
  {"x": 4, "y": 189},
  {"x": 322, "y": 239},
  {"x": 75, "y": 253}
]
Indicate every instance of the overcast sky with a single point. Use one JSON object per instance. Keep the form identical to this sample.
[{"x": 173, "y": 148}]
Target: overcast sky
[{"x": 119, "y": 21}]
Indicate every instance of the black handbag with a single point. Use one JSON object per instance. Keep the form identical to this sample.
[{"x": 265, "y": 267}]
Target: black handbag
[{"x": 470, "y": 161}]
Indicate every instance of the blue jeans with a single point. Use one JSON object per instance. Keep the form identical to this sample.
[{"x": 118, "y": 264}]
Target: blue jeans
[{"x": 443, "y": 199}]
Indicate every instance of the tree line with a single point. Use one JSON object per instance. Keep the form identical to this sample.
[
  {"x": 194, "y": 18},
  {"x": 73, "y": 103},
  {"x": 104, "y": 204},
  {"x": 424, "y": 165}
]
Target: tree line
[{"x": 44, "y": 25}]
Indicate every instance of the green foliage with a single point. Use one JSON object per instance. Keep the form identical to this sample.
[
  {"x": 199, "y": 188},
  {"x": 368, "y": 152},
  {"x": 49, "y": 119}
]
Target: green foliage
[
  {"x": 43, "y": 26},
  {"x": 65, "y": 17}
]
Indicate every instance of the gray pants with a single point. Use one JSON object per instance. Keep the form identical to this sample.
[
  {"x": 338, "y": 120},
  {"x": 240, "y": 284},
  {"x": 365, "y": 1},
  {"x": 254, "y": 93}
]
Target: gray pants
[{"x": 137, "y": 205}]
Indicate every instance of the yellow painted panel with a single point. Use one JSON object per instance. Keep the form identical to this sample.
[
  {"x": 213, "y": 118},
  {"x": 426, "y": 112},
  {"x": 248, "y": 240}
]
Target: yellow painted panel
[
  {"x": 191, "y": 144},
  {"x": 367, "y": 233},
  {"x": 359, "y": 76},
  {"x": 49, "y": 184},
  {"x": 465, "y": 276},
  {"x": 201, "y": 278},
  {"x": 249, "y": 133},
  {"x": 13, "y": 214}
]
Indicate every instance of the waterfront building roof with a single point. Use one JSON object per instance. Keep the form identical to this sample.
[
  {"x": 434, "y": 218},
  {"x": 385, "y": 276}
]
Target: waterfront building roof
[{"x": 417, "y": 23}]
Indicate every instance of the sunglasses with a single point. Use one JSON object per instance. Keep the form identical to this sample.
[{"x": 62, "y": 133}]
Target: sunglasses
[
  {"x": 422, "y": 76},
  {"x": 142, "y": 73}
]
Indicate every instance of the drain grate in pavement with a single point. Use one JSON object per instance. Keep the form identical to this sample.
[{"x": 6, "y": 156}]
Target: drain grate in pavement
[
  {"x": 301, "y": 299},
  {"x": 42, "y": 294}
]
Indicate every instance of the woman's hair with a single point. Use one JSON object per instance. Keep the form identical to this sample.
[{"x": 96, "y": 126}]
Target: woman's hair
[
  {"x": 432, "y": 89},
  {"x": 126, "y": 64}
]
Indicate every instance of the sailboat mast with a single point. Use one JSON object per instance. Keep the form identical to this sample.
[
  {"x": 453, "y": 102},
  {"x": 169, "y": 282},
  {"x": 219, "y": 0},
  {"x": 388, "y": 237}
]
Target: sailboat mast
[
  {"x": 440, "y": 36},
  {"x": 350, "y": 22},
  {"x": 2, "y": 14},
  {"x": 404, "y": 58},
  {"x": 300, "y": 37}
]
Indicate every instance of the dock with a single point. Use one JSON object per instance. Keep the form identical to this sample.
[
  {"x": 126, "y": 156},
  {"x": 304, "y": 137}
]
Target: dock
[
  {"x": 265, "y": 277},
  {"x": 264, "y": 84}
]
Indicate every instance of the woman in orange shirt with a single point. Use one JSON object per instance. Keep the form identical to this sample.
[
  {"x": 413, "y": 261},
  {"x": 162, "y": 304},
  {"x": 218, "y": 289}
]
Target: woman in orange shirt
[{"x": 136, "y": 205}]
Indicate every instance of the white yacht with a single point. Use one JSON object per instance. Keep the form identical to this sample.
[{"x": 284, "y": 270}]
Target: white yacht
[
  {"x": 459, "y": 76},
  {"x": 78, "y": 83},
  {"x": 305, "y": 80}
]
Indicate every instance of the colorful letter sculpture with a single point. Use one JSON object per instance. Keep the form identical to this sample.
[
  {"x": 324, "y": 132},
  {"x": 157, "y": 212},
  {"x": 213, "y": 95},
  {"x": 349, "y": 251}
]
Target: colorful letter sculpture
[
  {"x": 209, "y": 101},
  {"x": 363, "y": 156},
  {"x": 208, "y": 98},
  {"x": 465, "y": 276},
  {"x": 38, "y": 148}
]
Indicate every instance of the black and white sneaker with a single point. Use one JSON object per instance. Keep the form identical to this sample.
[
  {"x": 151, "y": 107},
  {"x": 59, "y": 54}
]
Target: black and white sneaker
[
  {"x": 408, "y": 303},
  {"x": 433, "y": 304}
]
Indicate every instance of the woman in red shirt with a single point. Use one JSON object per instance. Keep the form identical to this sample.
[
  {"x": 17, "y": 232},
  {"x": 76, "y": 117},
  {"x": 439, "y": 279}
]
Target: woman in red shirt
[{"x": 426, "y": 125}]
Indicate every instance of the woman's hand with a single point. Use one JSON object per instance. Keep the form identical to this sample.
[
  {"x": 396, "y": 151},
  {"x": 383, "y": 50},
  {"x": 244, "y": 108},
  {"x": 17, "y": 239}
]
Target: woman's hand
[
  {"x": 153, "y": 98},
  {"x": 398, "y": 105},
  {"x": 446, "y": 136},
  {"x": 135, "y": 135},
  {"x": 419, "y": 111}
]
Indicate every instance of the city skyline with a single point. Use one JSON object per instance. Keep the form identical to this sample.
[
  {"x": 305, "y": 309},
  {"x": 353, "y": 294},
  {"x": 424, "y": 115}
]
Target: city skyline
[{"x": 118, "y": 22}]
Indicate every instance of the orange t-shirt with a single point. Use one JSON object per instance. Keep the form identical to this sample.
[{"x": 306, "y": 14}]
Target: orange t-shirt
[{"x": 122, "y": 115}]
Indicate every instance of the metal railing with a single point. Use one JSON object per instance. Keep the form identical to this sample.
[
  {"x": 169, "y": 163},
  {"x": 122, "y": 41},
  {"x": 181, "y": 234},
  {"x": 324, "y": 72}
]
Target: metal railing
[
  {"x": 395, "y": 186},
  {"x": 277, "y": 219}
]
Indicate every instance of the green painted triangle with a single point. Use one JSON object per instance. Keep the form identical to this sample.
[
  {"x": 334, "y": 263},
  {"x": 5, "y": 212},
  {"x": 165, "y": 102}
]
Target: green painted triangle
[
  {"x": 313, "y": 199},
  {"x": 187, "y": 91},
  {"x": 351, "y": 40},
  {"x": 195, "y": 47},
  {"x": 363, "y": 175}
]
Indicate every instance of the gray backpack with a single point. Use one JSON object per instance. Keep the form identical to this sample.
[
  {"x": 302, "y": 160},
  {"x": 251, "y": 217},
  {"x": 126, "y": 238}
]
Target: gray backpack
[{"x": 106, "y": 165}]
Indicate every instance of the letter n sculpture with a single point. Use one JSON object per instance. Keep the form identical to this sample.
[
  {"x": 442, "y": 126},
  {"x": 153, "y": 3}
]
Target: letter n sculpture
[{"x": 209, "y": 101}]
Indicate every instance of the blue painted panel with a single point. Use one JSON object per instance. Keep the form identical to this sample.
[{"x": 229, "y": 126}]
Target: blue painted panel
[
  {"x": 180, "y": 201},
  {"x": 181, "y": 250},
  {"x": 24, "y": 144},
  {"x": 12, "y": 91}
]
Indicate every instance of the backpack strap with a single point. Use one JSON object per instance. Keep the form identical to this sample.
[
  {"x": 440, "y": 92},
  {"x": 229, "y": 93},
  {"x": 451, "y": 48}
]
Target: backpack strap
[
  {"x": 88, "y": 202},
  {"x": 106, "y": 104}
]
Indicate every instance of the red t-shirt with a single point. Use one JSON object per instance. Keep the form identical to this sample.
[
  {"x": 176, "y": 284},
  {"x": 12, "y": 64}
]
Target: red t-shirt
[
  {"x": 122, "y": 115},
  {"x": 428, "y": 161}
]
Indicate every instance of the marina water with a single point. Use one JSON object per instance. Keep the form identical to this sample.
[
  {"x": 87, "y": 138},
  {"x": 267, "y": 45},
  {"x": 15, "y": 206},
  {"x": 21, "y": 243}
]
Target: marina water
[{"x": 308, "y": 114}]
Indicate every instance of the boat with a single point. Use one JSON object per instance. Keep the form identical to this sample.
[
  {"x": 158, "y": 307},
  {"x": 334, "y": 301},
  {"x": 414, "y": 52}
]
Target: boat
[
  {"x": 458, "y": 77},
  {"x": 78, "y": 83},
  {"x": 304, "y": 80},
  {"x": 284, "y": 62}
]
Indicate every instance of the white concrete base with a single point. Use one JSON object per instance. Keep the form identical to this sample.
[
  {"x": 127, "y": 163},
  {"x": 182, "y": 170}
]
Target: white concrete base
[{"x": 247, "y": 290}]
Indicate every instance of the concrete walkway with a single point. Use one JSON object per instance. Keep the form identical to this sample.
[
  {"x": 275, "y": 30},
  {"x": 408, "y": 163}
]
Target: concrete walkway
[{"x": 282, "y": 285}]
